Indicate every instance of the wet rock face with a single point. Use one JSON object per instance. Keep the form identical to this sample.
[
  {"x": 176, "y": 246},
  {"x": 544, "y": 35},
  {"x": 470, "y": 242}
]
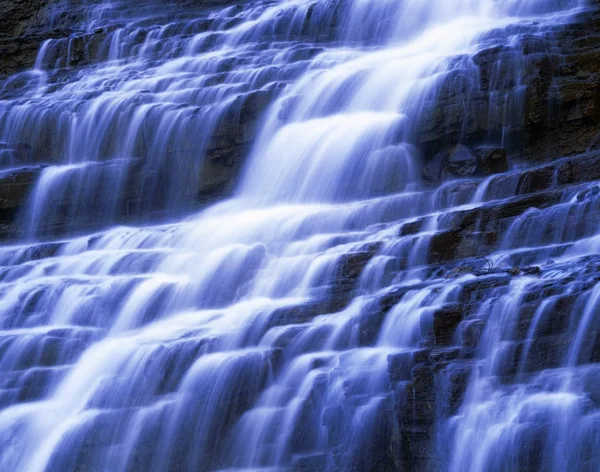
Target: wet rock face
[
  {"x": 535, "y": 99},
  {"x": 19, "y": 15},
  {"x": 491, "y": 160},
  {"x": 489, "y": 231},
  {"x": 23, "y": 31},
  {"x": 15, "y": 186},
  {"x": 211, "y": 163},
  {"x": 541, "y": 97},
  {"x": 461, "y": 162}
]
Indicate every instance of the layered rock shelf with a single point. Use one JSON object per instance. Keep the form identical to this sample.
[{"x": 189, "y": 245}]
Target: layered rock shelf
[
  {"x": 472, "y": 251},
  {"x": 535, "y": 100},
  {"x": 300, "y": 236}
]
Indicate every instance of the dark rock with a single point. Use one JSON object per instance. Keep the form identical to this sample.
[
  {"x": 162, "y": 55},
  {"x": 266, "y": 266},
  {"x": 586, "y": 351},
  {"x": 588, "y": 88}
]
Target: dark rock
[
  {"x": 470, "y": 333},
  {"x": 15, "y": 187},
  {"x": 535, "y": 270},
  {"x": 514, "y": 271},
  {"x": 454, "y": 382},
  {"x": 461, "y": 162},
  {"x": 445, "y": 322},
  {"x": 595, "y": 144},
  {"x": 433, "y": 168},
  {"x": 588, "y": 194},
  {"x": 400, "y": 366},
  {"x": 557, "y": 114},
  {"x": 414, "y": 227},
  {"x": 18, "y": 15},
  {"x": 491, "y": 160}
]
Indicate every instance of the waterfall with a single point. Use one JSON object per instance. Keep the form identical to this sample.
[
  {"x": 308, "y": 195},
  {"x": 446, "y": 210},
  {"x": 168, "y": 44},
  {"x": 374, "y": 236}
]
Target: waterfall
[{"x": 293, "y": 325}]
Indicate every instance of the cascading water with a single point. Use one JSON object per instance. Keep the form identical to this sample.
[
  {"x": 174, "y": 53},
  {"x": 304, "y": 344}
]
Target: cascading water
[{"x": 277, "y": 330}]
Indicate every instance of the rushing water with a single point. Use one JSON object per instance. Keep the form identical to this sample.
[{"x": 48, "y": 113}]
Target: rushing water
[{"x": 232, "y": 340}]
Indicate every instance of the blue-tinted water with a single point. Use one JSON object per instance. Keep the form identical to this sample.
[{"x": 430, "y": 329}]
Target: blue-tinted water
[{"x": 230, "y": 340}]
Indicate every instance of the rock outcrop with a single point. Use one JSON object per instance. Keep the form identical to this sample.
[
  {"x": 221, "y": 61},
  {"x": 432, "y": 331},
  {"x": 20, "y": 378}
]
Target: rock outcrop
[
  {"x": 539, "y": 98},
  {"x": 24, "y": 28},
  {"x": 535, "y": 100},
  {"x": 427, "y": 386},
  {"x": 510, "y": 148}
]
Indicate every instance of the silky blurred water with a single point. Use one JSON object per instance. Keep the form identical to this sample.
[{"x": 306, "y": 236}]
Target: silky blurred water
[{"x": 212, "y": 343}]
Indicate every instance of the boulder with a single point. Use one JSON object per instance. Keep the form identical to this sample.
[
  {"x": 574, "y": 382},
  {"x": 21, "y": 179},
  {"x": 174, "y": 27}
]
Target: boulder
[
  {"x": 461, "y": 162},
  {"x": 433, "y": 168},
  {"x": 491, "y": 160}
]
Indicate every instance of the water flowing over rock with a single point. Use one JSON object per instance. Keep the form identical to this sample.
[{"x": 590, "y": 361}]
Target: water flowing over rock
[{"x": 300, "y": 235}]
